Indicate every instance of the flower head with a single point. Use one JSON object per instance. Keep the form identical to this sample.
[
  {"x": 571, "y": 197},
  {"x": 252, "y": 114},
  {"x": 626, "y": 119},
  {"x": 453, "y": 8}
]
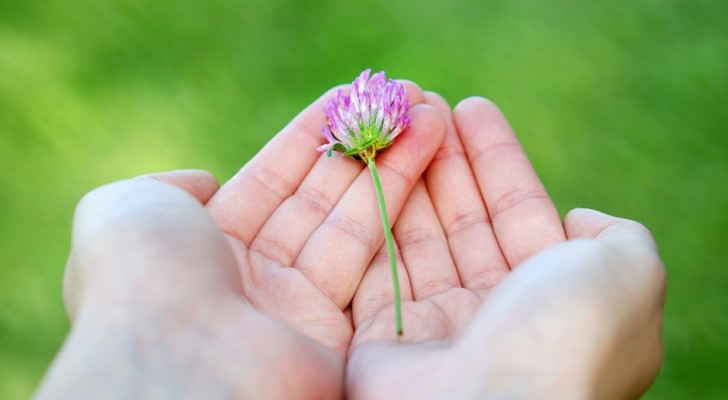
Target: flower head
[{"x": 367, "y": 119}]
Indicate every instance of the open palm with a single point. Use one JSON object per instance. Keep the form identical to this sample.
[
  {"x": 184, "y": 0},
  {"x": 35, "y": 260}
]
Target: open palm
[
  {"x": 305, "y": 227},
  {"x": 489, "y": 283},
  {"x": 479, "y": 211}
]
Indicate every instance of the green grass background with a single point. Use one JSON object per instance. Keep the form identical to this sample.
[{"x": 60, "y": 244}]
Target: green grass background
[{"x": 621, "y": 106}]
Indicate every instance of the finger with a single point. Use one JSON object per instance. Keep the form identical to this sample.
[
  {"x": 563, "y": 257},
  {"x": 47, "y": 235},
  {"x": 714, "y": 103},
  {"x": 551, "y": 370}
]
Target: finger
[
  {"x": 523, "y": 216},
  {"x": 338, "y": 252},
  {"x": 586, "y": 293},
  {"x": 462, "y": 211},
  {"x": 312, "y": 202},
  {"x": 631, "y": 238},
  {"x": 424, "y": 247},
  {"x": 200, "y": 184},
  {"x": 637, "y": 277},
  {"x": 248, "y": 199},
  {"x": 144, "y": 242},
  {"x": 285, "y": 233},
  {"x": 582, "y": 223}
]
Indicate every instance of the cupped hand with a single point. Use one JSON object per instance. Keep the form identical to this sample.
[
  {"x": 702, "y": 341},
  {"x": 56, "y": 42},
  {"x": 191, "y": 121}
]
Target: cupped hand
[
  {"x": 304, "y": 227},
  {"x": 240, "y": 291},
  {"x": 500, "y": 298},
  {"x": 154, "y": 294}
]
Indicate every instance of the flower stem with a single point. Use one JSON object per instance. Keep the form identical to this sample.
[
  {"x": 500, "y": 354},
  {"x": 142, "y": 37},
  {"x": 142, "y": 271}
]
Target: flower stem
[{"x": 390, "y": 246}]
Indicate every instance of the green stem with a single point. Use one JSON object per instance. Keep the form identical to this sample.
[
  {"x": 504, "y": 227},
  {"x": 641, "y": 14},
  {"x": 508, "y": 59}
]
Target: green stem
[{"x": 390, "y": 246}]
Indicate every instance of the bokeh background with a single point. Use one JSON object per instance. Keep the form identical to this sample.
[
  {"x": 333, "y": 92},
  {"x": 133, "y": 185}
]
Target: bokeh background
[{"x": 621, "y": 106}]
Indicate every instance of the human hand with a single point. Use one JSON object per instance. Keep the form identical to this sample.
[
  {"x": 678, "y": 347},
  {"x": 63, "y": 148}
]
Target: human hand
[
  {"x": 305, "y": 226},
  {"x": 154, "y": 295},
  {"x": 496, "y": 301},
  {"x": 242, "y": 297}
]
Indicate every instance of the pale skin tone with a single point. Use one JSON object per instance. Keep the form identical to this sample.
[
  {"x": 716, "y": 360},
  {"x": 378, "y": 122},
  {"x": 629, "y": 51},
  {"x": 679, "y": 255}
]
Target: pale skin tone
[{"x": 275, "y": 285}]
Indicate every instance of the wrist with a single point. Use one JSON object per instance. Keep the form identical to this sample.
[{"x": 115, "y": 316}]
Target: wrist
[
  {"x": 228, "y": 351},
  {"x": 99, "y": 359}
]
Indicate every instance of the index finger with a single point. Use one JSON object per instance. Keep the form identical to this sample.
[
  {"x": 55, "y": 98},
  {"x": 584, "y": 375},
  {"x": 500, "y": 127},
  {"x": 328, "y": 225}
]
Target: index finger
[{"x": 245, "y": 202}]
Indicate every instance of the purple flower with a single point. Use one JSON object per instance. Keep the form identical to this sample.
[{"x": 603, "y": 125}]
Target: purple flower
[{"x": 367, "y": 119}]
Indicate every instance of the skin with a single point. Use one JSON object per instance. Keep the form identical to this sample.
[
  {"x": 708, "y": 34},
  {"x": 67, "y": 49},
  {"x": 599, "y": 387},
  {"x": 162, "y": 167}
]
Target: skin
[
  {"x": 275, "y": 285},
  {"x": 502, "y": 299}
]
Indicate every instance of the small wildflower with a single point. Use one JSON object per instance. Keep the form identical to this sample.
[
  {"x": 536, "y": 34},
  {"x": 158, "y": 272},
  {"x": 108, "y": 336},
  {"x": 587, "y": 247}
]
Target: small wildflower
[
  {"x": 359, "y": 125},
  {"x": 367, "y": 119}
]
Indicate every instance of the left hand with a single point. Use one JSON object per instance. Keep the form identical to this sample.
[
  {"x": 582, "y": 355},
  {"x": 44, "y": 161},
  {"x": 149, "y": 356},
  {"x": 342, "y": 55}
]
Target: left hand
[{"x": 497, "y": 303}]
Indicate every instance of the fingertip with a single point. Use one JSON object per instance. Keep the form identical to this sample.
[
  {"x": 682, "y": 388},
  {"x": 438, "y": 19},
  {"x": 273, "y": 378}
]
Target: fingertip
[
  {"x": 428, "y": 121},
  {"x": 331, "y": 92},
  {"x": 437, "y": 101},
  {"x": 475, "y": 114},
  {"x": 475, "y": 103},
  {"x": 413, "y": 90},
  {"x": 313, "y": 114},
  {"x": 585, "y": 223},
  {"x": 629, "y": 237},
  {"x": 476, "y": 107}
]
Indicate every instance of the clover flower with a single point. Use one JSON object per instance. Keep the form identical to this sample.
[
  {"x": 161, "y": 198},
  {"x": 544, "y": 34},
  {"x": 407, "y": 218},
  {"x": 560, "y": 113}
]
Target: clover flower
[
  {"x": 361, "y": 123},
  {"x": 367, "y": 119}
]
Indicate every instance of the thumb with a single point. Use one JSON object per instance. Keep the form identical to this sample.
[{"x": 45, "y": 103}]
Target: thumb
[
  {"x": 144, "y": 242},
  {"x": 584, "y": 223}
]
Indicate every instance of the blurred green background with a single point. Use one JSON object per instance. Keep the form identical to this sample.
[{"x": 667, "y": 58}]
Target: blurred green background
[{"x": 621, "y": 105}]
